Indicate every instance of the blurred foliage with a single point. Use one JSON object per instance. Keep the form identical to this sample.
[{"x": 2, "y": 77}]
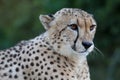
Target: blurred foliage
[{"x": 19, "y": 20}]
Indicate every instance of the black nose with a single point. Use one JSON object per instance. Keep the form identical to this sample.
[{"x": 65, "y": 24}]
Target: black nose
[{"x": 86, "y": 44}]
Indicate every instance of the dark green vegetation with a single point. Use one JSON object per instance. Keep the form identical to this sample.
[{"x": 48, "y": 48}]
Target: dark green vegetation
[{"x": 19, "y": 21}]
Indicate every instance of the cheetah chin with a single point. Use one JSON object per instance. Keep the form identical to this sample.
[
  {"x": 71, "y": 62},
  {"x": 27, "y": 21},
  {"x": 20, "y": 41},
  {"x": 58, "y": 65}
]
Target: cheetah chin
[{"x": 68, "y": 51}]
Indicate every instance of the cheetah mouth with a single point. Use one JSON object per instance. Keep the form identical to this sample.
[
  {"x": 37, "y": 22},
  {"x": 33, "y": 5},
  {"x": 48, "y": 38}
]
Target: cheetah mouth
[
  {"x": 74, "y": 48},
  {"x": 84, "y": 51},
  {"x": 89, "y": 50}
]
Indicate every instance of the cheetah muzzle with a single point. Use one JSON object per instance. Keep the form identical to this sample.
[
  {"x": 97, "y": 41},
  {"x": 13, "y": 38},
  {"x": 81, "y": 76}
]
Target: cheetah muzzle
[{"x": 58, "y": 54}]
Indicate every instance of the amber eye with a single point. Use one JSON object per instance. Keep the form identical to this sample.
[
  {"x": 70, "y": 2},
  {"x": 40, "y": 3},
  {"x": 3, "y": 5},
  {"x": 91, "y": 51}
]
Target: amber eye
[
  {"x": 92, "y": 27},
  {"x": 73, "y": 26}
]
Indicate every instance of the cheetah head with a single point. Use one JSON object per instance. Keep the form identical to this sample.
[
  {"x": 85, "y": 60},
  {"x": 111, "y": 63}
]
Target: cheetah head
[{"x": 71, "y": 31}]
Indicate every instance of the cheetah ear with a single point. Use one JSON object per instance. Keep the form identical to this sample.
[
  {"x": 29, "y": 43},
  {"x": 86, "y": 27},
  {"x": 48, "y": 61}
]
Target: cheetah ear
[{"x": 45, "y": 20}]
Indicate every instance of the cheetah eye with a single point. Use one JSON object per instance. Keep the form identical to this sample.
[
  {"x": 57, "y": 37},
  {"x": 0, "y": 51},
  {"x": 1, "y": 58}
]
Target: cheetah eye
[
  {"x": 73, "y": 26},
  {"x": 92, "y": 27}
]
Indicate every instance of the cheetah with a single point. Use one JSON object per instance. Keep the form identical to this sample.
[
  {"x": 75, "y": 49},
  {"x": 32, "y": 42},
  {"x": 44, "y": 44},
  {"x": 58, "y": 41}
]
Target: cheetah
[{"x": 60, "y": 53}]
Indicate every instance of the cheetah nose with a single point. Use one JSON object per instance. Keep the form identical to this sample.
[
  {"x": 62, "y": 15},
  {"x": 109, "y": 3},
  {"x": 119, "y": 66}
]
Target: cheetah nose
[{"x": 86, "y": 44}]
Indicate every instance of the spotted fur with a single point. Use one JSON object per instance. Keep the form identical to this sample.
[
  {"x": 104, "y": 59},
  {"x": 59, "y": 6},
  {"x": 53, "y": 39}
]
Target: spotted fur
[{"x": 57, "y": 54}]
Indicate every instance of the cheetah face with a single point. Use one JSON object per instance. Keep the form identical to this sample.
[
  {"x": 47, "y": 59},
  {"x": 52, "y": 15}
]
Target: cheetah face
[{"x": 76, "y": 28}]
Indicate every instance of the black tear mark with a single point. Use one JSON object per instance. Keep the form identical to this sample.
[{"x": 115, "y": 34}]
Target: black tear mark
[{"x": 74, "y": 46}]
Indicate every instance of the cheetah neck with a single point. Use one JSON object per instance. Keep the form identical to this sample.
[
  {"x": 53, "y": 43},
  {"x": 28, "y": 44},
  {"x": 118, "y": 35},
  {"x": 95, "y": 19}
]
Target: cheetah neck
[{"x": 78, "y": 61}]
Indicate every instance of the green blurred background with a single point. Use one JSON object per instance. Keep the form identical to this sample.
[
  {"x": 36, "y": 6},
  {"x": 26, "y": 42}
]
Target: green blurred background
[{"x": 19, "y": 21}]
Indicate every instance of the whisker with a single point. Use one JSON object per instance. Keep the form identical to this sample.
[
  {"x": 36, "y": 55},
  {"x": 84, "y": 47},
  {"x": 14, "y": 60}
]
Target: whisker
[{"x": 98, "y": 51}]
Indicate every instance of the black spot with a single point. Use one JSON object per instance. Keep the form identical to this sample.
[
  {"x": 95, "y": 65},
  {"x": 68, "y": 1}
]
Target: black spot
[
  {"x": 61, "y": 39},
  {"x": 25, "y": 77},
  {"x": 19, "y": 64},
  {"x": 40, "y": 45},
  {"x": 27, "y": 66},
  {"x": 54, "y": 53},
  {"x": 44, "y": 59},
  {"x": 3, "y": 58},
  {"x": 28, "y": 74},
  {"x": 45, "y": 78},
  {"x": 56, "y": 76},
  {"x": 36, "y": 58},
  {"x": 10, "y": 76},
  {"x": 10, "y": 70},
  {"x": 52, "y": 77},
  {"x": 62, "y": 79},
  {"x": 32, "y": 73},
  {"x": 36, "y": 43},
  {"x": 44, "y": 45},
  {"x": 58, "y": 66},
  {"x": 58, "y": 46},
  {"x": 2, "y": 62},
  {"x": 58, "y": 58},
  {"x": 32, "y": 64},
  {"x": 23, "y": 52},
  {"x": 36, "y": 70},
  {"x": 42, "y": 54},
  {"x": 69, "y": 70},
  {"x": 67, "y": 74},
  {"x": 27, "y": 52},
  {"x": 17, "y": 69},
  {"x": 28, "y": 60},
  {"x": 37, "y": 64},
  {"x": 24, "y": 73},
  {"x": 45, "y": 52},
  {"x": 8, "y": 52},
  {"x": 22, "y": 66},
  {"x": 46, "y": 73},
  {"x": 14, "y": 63},
  {"x": 48, "y": 68},
  {"x": 19, "y": 58},
  {"x": 11, "y": 55},
  {"x": 41, "y": 66},
  {"x": 33, "y": 52},
  {"x": 30, "y": 54},
  {"x": 62, "y": 73},
  {"x": 5, "y": 74},
  {"x": 14, "y": 56},
  {"x": 39, "y": 74},
  {"x": 38, "y": 50},
  {"x": 65, "y": 64},
  {"x": 47, "y": 43},
  {"x": 28, "y": 46},
  {"x": 52, "y": 57},
  {"x": 48, "y": 49},
  {"x": 54, "y": 70},
  {"x": 40, "y": 61},
  {"x": 39, "y": 79},
  {"x": 65, "y": 70},
  {"x": 48, "y": 57},
  {"x": 15, "y": 76},
  {"x": 45, "y": 64},
  {"x": 24, "y": 60},
  {"x": 51, "y": 62},
  {"x": 9, "y": 60},
  {"x": 73, "y": 76},
  {"x": 11, "y": 65},
  {"x": 6, "y": 66}
]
